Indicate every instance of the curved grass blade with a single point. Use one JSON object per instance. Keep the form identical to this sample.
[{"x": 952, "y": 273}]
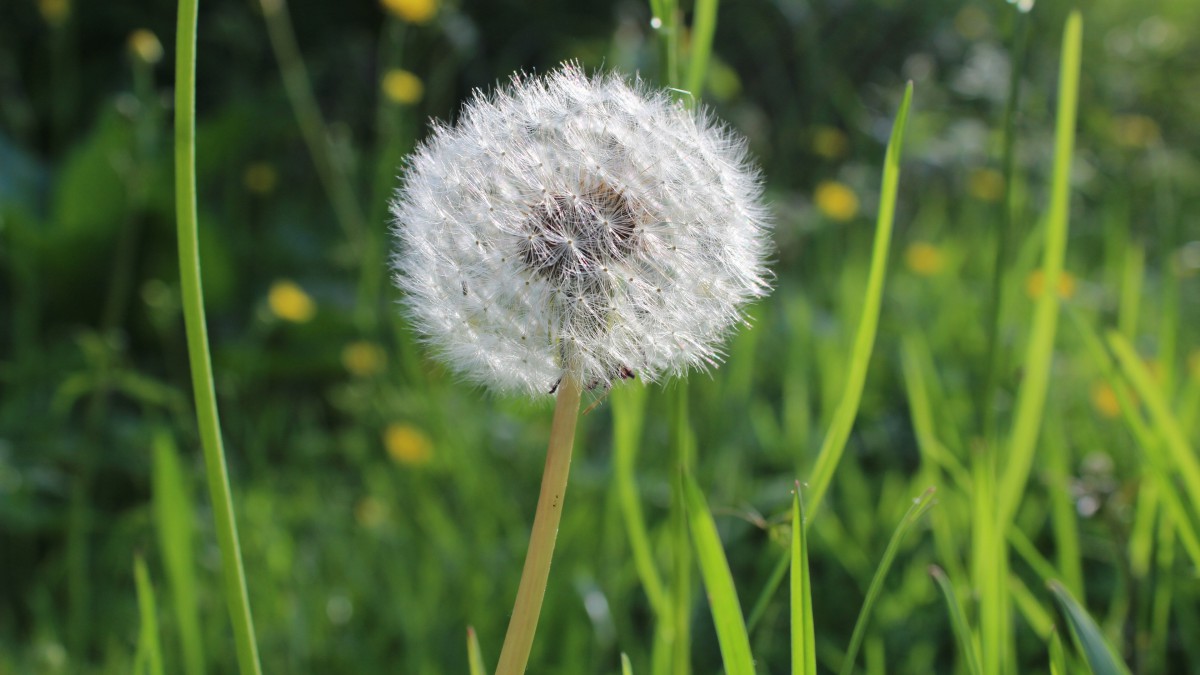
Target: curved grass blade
[
  {"x": 149, "y": 647},
  {"x": 804, "y": 642},
  {"x": 1088, "y": 639},
  {"x": 919, "y": 507},
  {"x": 958, "y": 623},
  {"x": 718, "y": 582},
  {"x": 173, "y": 519},
  {"x": 864, "y": 340},
  {"x": 1058, "y": 657},
  {"x": 626, "y": 667},
  {"x": 474, "y": 656}
]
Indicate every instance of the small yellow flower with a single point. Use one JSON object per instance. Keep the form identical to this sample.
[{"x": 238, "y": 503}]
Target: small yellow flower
[
  {"x": 412, "y": 11},
  {"x": 1136, "y": 131},
  {"x": 370, "y": 512},
  {"x": 1104, "y": 400},
  {"x": 924, "y": 259},
  {"x": 407, "y": 445},
  {"x": 145, "y": 46},
  {"x": 829, "y": 142},
  {"x": 363, "y": 358},
  {"x": 290, "y": 303},
  {"x": 55, "y": 12},
  {"x": 836, "y": 200},
  {"x": 1036, "y": 283},
  {"x": 402, "y": 87},
  {"x": 260, "y": 178},
  {"x": 986, "y": 185}
]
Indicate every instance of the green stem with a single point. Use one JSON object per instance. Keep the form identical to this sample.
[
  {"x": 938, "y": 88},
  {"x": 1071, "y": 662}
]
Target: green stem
[
  {"x": 518, "y": 641},
  {"x": 236, "y": 595},
  {"x": 681, "y": 547}
]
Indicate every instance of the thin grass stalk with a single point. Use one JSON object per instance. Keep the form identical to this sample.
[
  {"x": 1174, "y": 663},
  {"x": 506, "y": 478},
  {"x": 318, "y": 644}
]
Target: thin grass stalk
[
  {"x": 518, "y": 641},
  {"x": 804, "y": 641},
  {"x": 681, "y": 550},
  {"x": 149, "y": 644},
  {"x": 236, "y": 596}
]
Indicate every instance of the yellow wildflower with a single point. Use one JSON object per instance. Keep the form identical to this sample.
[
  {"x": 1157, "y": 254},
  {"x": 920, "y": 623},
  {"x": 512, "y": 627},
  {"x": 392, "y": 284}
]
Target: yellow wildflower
[
  {"x": 290, "y": 303},
  {"x": 924, "y": 259},
  {"x": 260, "y": 178},
  {"x": 407, "y": 445},
  {"x": 412, "y": 11},
  {"x": 1136, "y": 131},
  {"x": 370, "y": 512},
  {"x": 402, "y": 87},
  {"x": 836, "y": 200},
  {"x": 829, "y": 142},
  {"x": 145, "y": 46},
  {"x": 363, "y": 358},
  {"x": 986, "y": 185},
  {"x": 1035, "y": 284},
  {"x": 1104, "y": 400},
  {"x": 55, "y": 12}
]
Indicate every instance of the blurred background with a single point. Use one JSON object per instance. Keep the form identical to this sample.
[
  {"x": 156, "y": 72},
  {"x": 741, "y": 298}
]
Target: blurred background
[{"x": 384, "y": 507}]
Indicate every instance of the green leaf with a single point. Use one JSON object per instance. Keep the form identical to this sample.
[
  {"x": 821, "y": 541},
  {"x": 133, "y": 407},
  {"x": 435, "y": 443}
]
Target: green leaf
[
  {"x": 1088, "y": 640},
  {"x": 704, "y": 24},
  {"x": 626, "y": 668},
  {"x": 474, "y": 656},
  {"x": 173, "y": 520},
  {"x": 718, "y": 582},
  {"x": 864, "y": 340},
  {"x": 1058, "y": 658},
  {"x": 148, "y": 643},
  {"x": 958, "y": 623},
  {"x": 804, "y": 642}
]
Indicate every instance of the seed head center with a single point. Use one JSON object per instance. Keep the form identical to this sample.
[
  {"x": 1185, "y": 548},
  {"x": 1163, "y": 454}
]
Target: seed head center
[{"x": 576, "y": 237}]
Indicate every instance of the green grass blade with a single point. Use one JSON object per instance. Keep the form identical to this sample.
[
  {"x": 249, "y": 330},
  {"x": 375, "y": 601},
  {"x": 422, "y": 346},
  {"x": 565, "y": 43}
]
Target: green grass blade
[
  {"x": 173, "y": 519},
  {"x": 628, "y": 414},
  {"x": 1031, "y": 397},
  {"x": 237, "y": 598},
  {"x": 1088, "y": 639},
  {"x": 864, "y": 340},
  {"x": 474, "y": 655},
  {"x": 759, "y": 609},
  {"x": 919, "y": 507},
  {"x": 958, "y": 623},
  {"x": 1058, "y": 657},
  {"x": 804, "y": 641},
  {"x": 718, "y": 582},
  {"x": 626, "y": 667},
  {"x": 704, "y": 25},
  {"x": 148, "y": 642},
  {"x": 680, "y": 600}
]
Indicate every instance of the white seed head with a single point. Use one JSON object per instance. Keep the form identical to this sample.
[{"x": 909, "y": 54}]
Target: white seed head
[{"x": 576, "y": 223}]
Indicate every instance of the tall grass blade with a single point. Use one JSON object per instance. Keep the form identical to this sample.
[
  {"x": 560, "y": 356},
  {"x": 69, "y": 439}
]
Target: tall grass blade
[
  {"x": 704, "y": 25},
  {"x": 173, "y": 521},
  {"x": 1031, "y": 397},
  {"x": 474, "y": 655},
  {"x": 864, "y": 340},
  {"x": 148, "y": 642},
  {"x": 1058, "y": 657},
  {"x": 919, "y": 507},
  {"x": 958, "y": 623},
  {"x": 628, "y": 414},
  {"x": 1088, "y": 639},
  {"x": 804, "y": 641},
  {"x": 718, "y": 582},
  {"x": 626, "y": 667}
]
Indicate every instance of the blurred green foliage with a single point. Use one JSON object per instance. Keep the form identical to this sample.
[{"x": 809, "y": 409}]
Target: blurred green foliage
[{"x": 384, "y": 508}]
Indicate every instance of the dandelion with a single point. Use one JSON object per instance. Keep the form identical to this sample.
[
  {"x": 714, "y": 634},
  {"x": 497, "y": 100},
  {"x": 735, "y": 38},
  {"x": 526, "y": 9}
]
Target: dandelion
[
  {"x": 407, "y": 445},
  {"x": 260, "y": 178},
  {"x": 836, "y": 200},
  {"x": 412, "y": 11},
  {"x": 1035, "y": 284},
  {"x": 1136, "y": 131},
  {"x": 362, "y": 358},
  {"x": 829, "y": 142},
  {"x": 402, "y": 87},
  {"x": 572, "y": 231},
  {"x": 986, "y": 185},
  {"x": 144, "y": 45},
  {"x": 579, "y": 224},
  {"x": 924, "y": 259},
  {"x": 1104, "y": 400},
  {"x": 290, "y": 303}
]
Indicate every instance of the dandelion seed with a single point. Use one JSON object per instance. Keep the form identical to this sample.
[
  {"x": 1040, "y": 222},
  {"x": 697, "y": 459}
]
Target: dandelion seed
[{"x": 569, "y": 223}]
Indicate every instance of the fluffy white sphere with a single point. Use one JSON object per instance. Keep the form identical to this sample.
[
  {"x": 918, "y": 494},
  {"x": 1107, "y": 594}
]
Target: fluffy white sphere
[{"x": 576, "y": 223}]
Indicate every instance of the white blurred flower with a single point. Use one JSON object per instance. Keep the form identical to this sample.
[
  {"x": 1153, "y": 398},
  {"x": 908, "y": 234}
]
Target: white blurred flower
[{"x": 576, "y": 223}]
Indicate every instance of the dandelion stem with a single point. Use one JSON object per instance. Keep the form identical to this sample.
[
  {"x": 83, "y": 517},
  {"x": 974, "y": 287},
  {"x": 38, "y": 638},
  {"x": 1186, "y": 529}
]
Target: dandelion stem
[
  {"x": 521, "y": 627},
  {"x": 236, "y": 596}
]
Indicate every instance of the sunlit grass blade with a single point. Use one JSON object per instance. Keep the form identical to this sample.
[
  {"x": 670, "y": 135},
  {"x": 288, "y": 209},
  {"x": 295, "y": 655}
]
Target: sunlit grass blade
[
  {"x": 804, "y": 641},
  {"x": 237, "y": 597},
  {"x": 704, "y": 24},
  {"x": 173, "y": 521},
  {"x": 1031, "y": 396},
  {"x": 628, "y": 412},
  {"x": 474, "y": 655},
  {"x": 1088, "y": 639},
  {"x": 919, "y": 507},
  {"x": 958, "y": 623},
  {"x": 679, "y": 615},
  {"x": 718, "y": 582},
  {"x": 149, "y": 645},
  {"x": 1058, "y": 657},
  {"x": 626, "y": 667},
  {"x": 1182, "y": 454},
  {"x": 1038, "y": 618},
  {"x": 864, "y": 340}
]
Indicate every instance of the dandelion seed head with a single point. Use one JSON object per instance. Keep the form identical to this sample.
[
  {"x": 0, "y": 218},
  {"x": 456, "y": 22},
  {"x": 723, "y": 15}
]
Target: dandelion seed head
[{"x": 579, "y": 223}]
